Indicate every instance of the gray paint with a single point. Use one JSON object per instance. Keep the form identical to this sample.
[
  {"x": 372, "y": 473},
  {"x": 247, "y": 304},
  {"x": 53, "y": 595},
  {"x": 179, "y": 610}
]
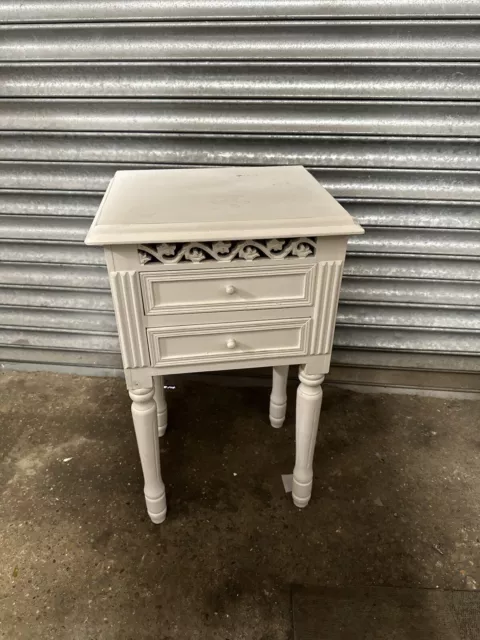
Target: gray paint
[{"x": 380, "y": 100}]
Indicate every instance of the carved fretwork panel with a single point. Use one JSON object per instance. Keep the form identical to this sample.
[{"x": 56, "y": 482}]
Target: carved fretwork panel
[{"x": 227, "y": 251}]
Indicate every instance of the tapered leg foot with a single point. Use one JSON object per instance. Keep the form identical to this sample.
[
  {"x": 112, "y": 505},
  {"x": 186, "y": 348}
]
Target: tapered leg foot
[
  {"x": 278, "y": 397},
  {"x": 309, "y": 402},
  {"x": 144, "y": 412},
  {"x": 161, "y": 405}
]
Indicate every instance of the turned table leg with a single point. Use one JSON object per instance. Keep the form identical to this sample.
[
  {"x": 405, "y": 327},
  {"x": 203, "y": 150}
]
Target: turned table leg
[
  {"x": 278, "y": 397},
  {"x": 309, "y": 401},
  {"x": 161, "y": 404},
  {"x": 144, "y": 412}
]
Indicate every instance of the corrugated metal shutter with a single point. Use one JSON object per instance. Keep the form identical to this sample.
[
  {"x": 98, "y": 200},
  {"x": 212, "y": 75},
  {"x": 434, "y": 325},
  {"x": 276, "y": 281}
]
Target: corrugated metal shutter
[{"x": 380, "y": 100}]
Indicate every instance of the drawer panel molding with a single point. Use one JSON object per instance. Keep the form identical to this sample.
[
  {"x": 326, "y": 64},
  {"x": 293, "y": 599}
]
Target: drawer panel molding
[
  {"x": 127, "y": 302},
  {"x": 238, "y": 341},
  {"x": 228, "y": 289}
]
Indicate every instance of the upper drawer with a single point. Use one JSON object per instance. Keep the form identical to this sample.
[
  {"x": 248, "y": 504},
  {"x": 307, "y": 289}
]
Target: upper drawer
[{"x": 227, "y": 289}]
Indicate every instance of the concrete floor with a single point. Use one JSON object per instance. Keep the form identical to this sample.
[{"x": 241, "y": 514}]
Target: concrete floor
[{"x": 396, "y": 502}]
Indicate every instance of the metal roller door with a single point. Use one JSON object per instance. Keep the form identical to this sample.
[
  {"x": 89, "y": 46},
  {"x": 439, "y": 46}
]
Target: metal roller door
[{"x": 379, "y": 100}]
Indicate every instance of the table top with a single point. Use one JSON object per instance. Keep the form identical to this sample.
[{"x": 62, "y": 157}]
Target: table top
[{"x": 233, "y": 203}]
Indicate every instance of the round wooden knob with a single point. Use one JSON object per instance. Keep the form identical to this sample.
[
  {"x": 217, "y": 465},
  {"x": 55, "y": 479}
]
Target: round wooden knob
[
  {"x": 230, "y": 289},
  {"x": 231, "y": 343}
]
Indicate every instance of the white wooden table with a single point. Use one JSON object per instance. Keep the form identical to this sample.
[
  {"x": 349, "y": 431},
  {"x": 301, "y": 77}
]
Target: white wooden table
[{"x": 215, "y": 269}]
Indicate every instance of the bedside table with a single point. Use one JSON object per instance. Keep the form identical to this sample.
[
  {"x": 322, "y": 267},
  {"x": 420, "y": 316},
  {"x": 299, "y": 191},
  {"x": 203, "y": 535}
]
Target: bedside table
[{"x": 215, "y": 269}]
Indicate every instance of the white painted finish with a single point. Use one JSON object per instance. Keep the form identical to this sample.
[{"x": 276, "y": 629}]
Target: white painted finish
[
  {"x": 226, "y": 250},
  {"x": 327, "y": 288},
  {"x": 309, "y": 402},
  {"x": 184, "y": 205},
  {"x": 161, "y": 404},
  {"x": 206, "y": 289},
  {"x": 128, "y": 256},
  {"x": 278, "y": 397},
  {"x": 128, "y": 307},
  {"x": 251, "y": 341},
  {"x": 144, "y": 413},
  {"x": 190, "y": 297},
  {"x": 135, "y": 377}
]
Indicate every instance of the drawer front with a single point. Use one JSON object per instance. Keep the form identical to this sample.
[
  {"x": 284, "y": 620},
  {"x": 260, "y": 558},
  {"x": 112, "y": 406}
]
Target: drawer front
[
  {"x": 213, "y": 343},
  {"x": 227, "y": 289}
]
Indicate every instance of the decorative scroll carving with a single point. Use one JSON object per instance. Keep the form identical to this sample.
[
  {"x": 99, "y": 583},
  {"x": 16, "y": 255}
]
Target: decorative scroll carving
[{"x": 226, "y": 251}]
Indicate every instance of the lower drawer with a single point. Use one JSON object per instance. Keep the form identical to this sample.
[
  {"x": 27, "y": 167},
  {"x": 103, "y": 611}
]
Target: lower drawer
[{"x": 257, "y": 340}]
